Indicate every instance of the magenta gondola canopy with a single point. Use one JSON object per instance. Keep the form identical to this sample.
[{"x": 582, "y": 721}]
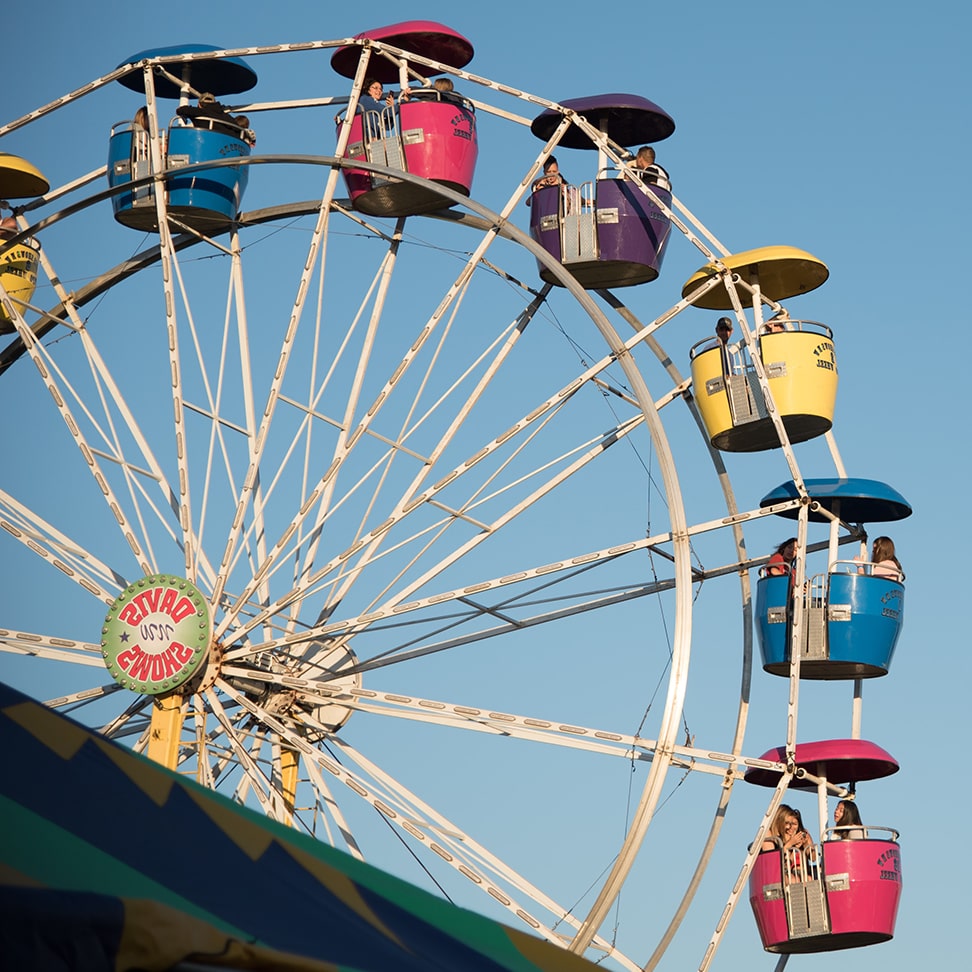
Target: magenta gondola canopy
[
  {"x": 427, "y": 38},
  {"x": 839, "y": 760},
  {"x": 628, "y": 119}
]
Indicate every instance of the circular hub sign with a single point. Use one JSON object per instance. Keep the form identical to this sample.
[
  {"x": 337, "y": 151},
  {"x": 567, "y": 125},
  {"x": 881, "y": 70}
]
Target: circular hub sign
[{"x": 156, "y": 634}]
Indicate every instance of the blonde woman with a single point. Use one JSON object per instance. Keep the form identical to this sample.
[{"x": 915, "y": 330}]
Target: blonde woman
[{"x": 788, "y": 835}]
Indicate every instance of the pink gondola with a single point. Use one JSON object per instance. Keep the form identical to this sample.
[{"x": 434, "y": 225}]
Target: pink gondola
[
  {"x": 432, "y": 135},
  {"x": 846, "y": 894}
]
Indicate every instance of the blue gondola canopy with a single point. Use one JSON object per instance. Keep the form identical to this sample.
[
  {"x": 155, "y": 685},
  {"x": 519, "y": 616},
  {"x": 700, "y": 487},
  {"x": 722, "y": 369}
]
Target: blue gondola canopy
[
  {"x": 853, "y": 500},
  {"x": 217, "y": 75}
]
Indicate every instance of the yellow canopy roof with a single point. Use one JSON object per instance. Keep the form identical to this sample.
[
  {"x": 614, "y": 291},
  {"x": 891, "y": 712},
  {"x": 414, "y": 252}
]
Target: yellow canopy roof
[
  {"x": 780, "y": 271},
  {"x": 19, "y": 179}
]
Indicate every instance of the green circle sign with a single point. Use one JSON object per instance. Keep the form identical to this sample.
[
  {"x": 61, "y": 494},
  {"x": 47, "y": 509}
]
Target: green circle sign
[{"x": 156, "y": 634}]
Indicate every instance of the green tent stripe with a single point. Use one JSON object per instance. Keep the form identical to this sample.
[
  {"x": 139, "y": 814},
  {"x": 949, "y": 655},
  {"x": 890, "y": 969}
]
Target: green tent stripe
[
  {"x": 42, "y": 848},
  {"x": 92, "y": 817}
]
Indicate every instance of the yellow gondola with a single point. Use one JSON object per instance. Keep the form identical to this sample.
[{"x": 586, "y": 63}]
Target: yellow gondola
[
  {"x": 798, "y": 357},
  {"x": 19, "y": 179}
]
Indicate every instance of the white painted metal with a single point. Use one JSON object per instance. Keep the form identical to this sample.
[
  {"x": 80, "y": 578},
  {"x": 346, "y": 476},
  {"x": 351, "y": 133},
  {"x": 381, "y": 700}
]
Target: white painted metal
[{"x": 435, "y": 494}]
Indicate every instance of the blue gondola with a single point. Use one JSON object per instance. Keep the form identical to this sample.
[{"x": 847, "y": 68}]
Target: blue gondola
[
  {"x": 853, "y": 619},
  {"x": 204, "y": 197}
]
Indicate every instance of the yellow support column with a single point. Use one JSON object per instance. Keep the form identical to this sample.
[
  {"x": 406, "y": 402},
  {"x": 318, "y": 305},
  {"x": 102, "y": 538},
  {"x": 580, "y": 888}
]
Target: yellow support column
[
  {"x": 289, "y": 766},
  {"x": 166, "y": 731}
]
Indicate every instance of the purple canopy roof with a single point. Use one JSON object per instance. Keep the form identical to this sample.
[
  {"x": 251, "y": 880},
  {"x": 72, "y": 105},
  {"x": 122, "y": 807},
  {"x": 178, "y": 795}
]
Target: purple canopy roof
[
  {"x": 424, "y": 37},
  {"x": 629, "y": 119}
]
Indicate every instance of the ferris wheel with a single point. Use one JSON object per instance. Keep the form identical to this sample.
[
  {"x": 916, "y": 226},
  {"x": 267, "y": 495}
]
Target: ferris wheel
[{"x": 363, "y": 501}]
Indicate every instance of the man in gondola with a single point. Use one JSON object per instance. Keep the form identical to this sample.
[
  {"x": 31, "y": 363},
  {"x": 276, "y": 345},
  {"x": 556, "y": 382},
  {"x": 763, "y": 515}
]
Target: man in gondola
[
  {"x": 648, "y": 169},
  {"x": 209, "y": 113}
]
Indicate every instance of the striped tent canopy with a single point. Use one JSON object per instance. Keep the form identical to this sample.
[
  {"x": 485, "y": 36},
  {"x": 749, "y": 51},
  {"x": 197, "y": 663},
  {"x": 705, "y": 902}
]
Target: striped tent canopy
[{"x": 110, "y": 862}]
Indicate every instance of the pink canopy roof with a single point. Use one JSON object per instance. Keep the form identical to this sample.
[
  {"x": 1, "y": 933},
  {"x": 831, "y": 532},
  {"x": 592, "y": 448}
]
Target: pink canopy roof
[
  {"x": 424, "y": 37},
  {"x": 839, "y": 760}
]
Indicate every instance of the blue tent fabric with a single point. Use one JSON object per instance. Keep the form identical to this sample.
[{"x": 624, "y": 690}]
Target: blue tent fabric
[
  {"x": 87, "y": 934},
  {"x": 63, "y": 931},
  {"x": 98, "y": 832}
]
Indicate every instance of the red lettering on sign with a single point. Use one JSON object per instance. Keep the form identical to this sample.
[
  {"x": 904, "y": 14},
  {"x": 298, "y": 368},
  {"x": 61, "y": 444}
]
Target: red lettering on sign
[
  {"x": 164, "y": 599},
  {"x": 148, "y": 601},
  {"x": 142, "y": 666},
  {"x": 184, "y": 609},
  {"x": 145, "y": 667},
  {"x": 168, "y": 601},
  {"x": 126, "y": 657},
  {"x": 158, "y": 668},
  {"x": 130, "y": 614}
]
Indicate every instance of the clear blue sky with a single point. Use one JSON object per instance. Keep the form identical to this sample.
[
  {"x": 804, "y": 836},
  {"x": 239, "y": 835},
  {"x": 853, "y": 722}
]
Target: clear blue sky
[{"x": 834, "y": 127}]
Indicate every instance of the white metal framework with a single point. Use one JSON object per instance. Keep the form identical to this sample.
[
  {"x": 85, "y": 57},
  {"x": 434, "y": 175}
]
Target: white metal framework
[{"x": 421, "y": 493}]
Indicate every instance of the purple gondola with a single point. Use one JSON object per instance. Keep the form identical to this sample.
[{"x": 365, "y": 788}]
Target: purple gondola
[{"x": 609, "y": 232}]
